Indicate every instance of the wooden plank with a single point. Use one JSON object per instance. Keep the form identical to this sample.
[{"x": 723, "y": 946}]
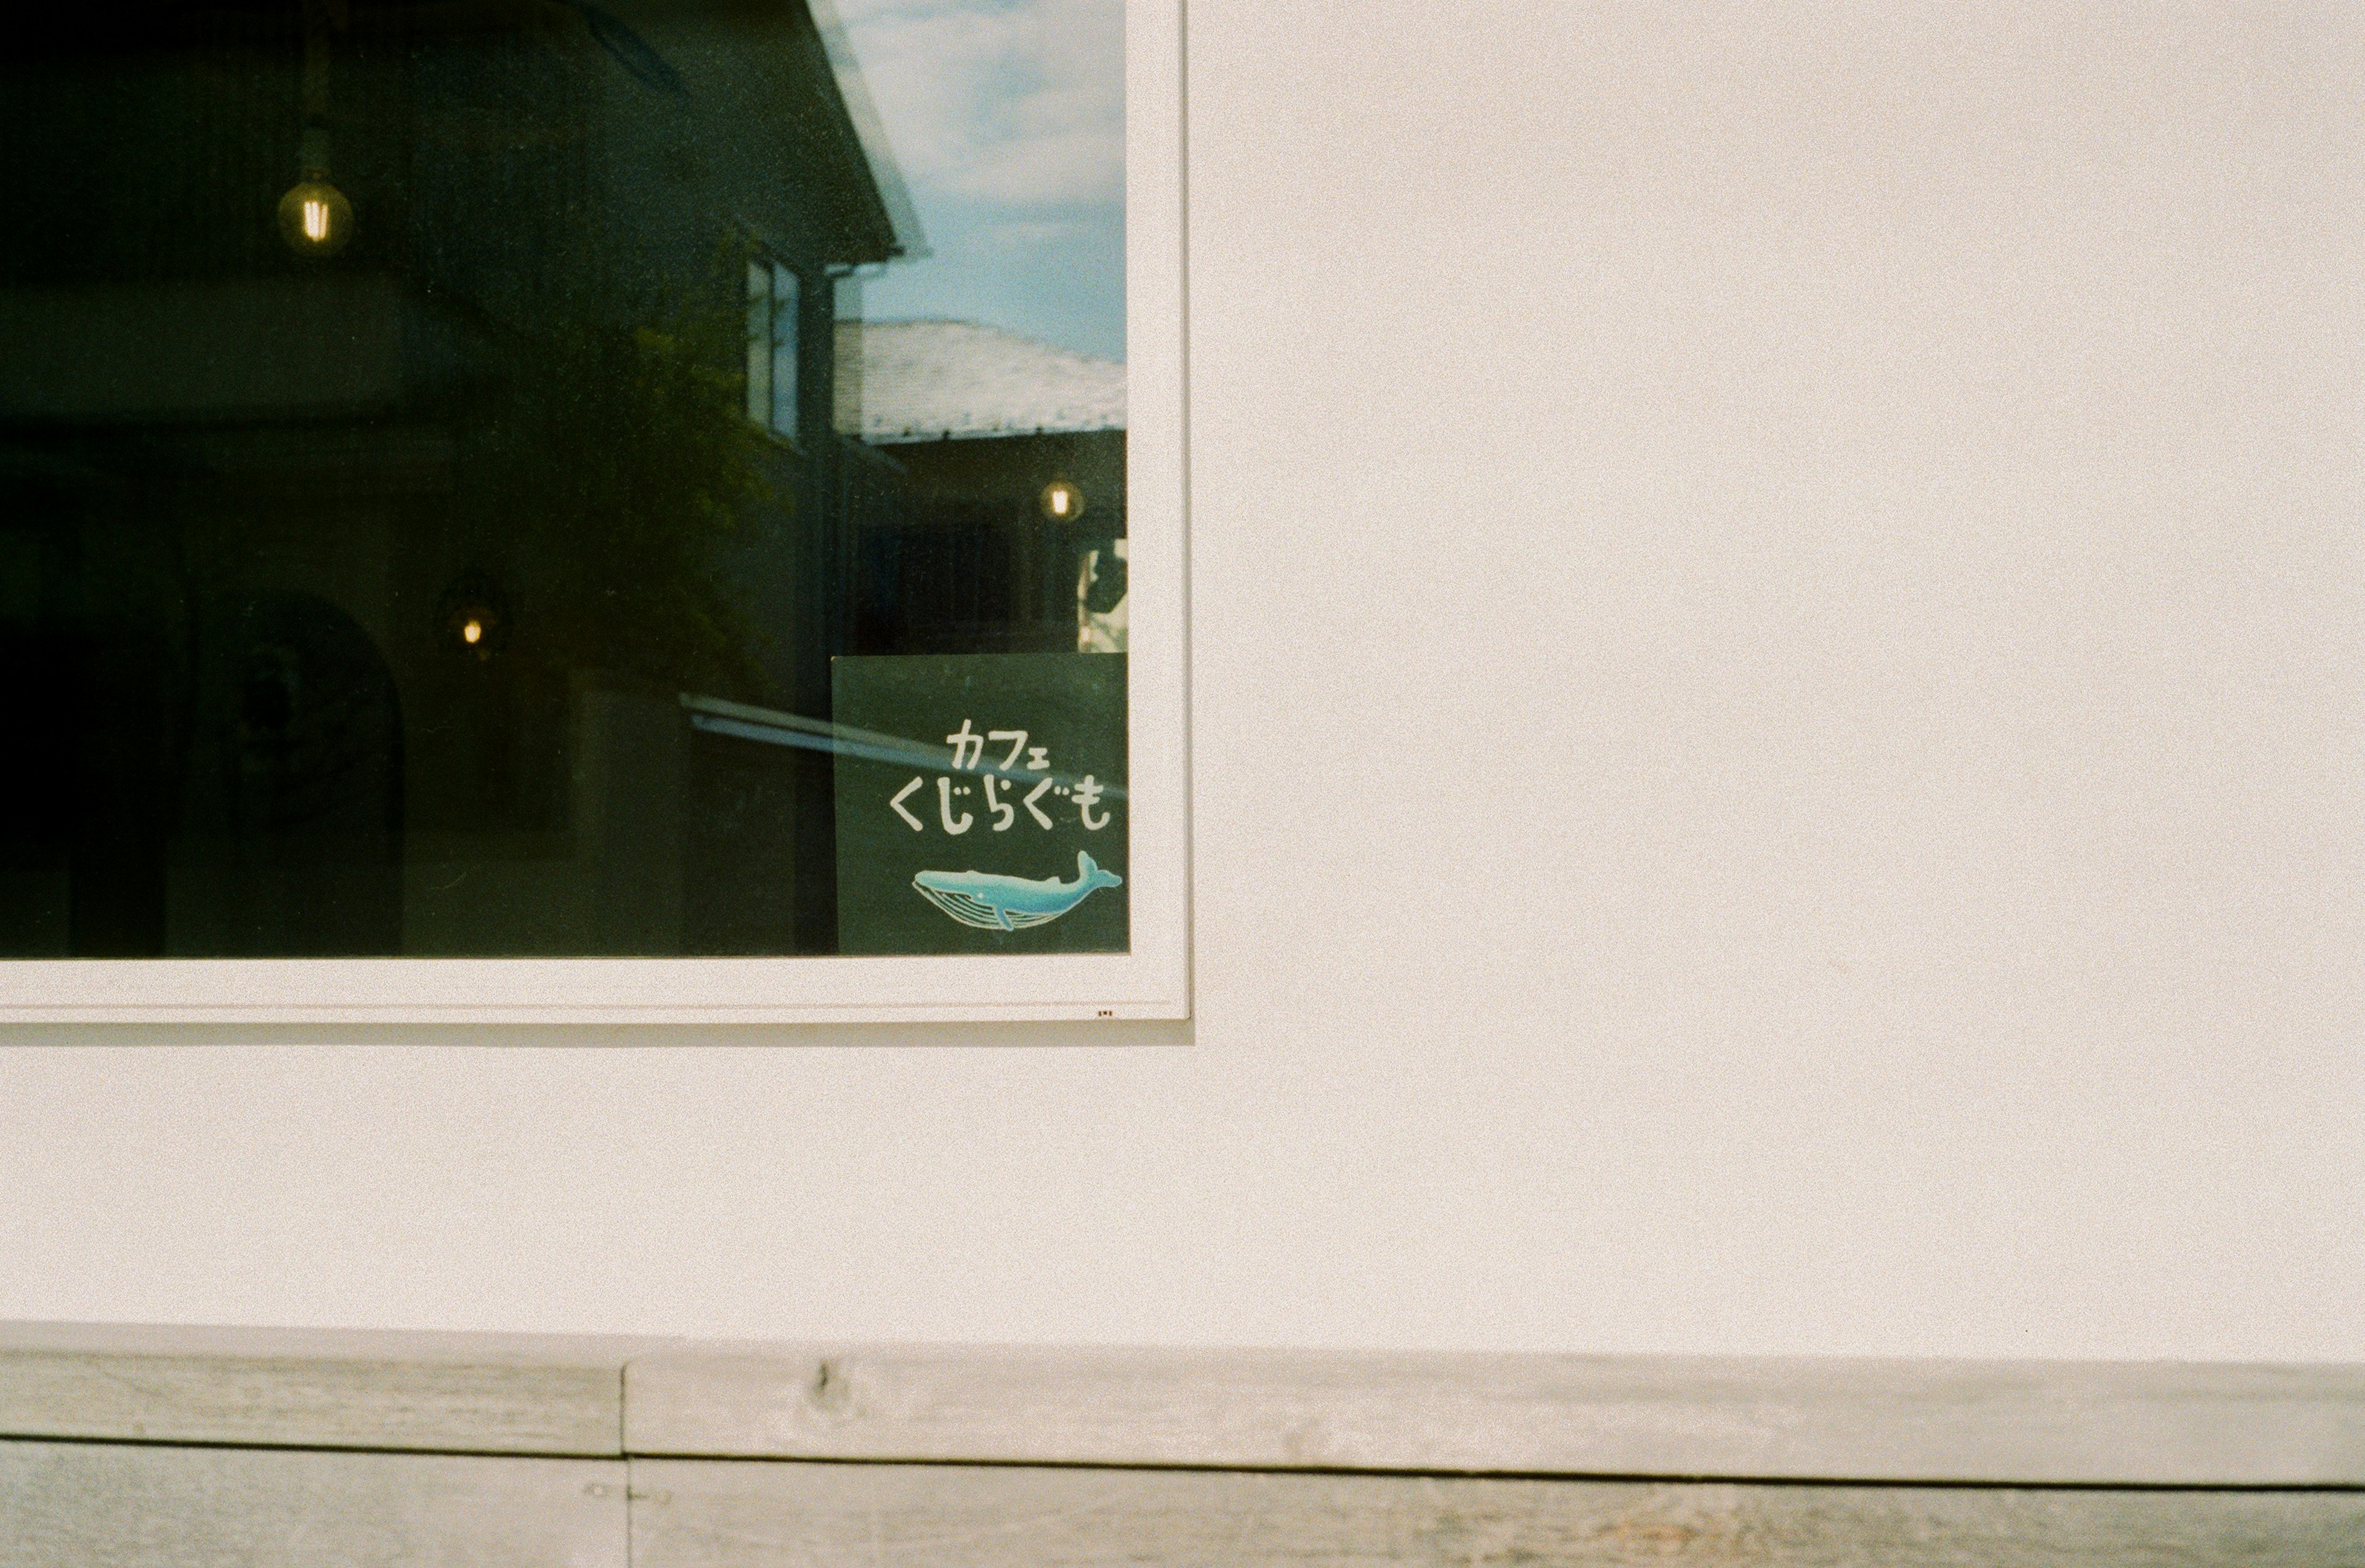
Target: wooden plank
[
  {"x": 2131, "y": 1423},
  {"x": 1835, "y": 1419},
  {"x": 127, "y": 1505},
  {"x": 693, "y": 1514},
  {"x": 467, "y": 1392}
]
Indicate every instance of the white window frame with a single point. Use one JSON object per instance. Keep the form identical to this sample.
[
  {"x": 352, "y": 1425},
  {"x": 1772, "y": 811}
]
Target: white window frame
[{"x": 1151, "y": 980}]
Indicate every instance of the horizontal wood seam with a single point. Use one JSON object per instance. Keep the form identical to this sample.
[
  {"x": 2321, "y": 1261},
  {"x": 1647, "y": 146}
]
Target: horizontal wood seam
[
  {"x": 1571, "y": 1477},
  {"x": 1654, "y": 1477}
]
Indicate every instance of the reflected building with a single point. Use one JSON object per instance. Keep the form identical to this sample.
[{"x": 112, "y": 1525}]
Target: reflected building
[
  {"x": 349, "y": 596},
  {"x": 992, "y": 496}
]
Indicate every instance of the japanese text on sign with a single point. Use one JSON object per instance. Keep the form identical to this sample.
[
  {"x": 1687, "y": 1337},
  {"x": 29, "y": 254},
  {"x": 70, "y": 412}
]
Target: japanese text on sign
[{"x": 996, "y": 787}]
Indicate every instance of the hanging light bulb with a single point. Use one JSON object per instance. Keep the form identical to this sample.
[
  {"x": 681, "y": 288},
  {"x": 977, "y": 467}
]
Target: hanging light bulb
[
  {"x": 1062, "y": 502},
  {"x": 315, "y": 219}
]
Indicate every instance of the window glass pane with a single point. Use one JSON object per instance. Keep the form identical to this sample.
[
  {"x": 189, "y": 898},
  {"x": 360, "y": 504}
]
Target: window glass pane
[
  {"x": 785, "y": 303},
  {"x": 394, "y": 548},
  {"x": 759, "y": 342}
]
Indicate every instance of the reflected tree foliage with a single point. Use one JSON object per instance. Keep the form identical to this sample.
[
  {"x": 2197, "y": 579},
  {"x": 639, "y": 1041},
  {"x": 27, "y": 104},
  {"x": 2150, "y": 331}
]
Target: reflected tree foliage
[{"x": 623, "y": 486}]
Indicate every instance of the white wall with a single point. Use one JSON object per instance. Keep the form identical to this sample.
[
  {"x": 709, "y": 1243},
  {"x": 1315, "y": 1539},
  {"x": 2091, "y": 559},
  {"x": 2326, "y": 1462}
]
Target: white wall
[{"x": 1780, "y": 738}]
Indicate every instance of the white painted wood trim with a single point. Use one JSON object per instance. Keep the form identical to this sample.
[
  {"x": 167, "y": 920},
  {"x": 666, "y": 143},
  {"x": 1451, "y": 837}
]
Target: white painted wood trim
[{"x": 1837, "y": 1420}]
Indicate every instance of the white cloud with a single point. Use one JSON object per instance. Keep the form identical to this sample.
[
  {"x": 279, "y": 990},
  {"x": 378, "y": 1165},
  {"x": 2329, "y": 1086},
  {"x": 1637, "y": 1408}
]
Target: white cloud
[{"x": 1016, "y": 102}]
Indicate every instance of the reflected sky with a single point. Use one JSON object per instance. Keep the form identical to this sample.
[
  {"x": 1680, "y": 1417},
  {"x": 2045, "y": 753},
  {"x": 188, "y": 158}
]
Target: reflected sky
[{"x": 1006, "y": 118}]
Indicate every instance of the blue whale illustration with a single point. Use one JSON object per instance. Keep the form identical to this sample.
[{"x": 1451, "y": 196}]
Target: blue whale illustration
[{"x": 992, "y": 902}]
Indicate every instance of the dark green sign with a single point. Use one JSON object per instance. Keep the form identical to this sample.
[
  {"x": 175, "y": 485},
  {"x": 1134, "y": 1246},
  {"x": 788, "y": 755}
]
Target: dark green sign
[{"x": 980, "y": 803}]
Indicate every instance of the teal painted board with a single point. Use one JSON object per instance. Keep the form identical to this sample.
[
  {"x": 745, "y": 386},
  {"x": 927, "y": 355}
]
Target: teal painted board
[{"x": 1000, "y": 826}]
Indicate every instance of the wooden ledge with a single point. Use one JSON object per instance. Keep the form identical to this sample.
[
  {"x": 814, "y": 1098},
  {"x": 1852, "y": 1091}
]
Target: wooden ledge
[
  {"x": 1997, "y": 1423},
  {"x": 1811, "y": 1419},
  {"x": 314, "y": 1388}
]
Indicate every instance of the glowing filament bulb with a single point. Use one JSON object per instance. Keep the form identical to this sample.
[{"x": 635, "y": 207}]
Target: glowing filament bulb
[
  {"x": 315, "y": 219},
  {"x": 473, "y": 633},
  {"x": 1062, "y": 501}
]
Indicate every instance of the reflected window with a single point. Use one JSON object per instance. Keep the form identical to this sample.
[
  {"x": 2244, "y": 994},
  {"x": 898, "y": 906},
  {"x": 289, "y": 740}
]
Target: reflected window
[
  {"x": 774, "y": 299},
  {"x": 466, "y": 470}
]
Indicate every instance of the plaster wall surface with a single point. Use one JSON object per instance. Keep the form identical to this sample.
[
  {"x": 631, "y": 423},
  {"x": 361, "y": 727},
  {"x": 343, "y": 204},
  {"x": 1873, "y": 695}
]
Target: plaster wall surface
[{"x": 1779, "y": 755}]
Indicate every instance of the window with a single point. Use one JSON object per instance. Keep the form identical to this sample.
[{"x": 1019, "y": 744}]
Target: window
[
  {"x": 773, "y": 301},
  {"x": 429, "y": 623}
]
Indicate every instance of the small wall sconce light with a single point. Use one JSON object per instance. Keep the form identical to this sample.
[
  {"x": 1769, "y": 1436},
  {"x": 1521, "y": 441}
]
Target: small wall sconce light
[{"x": 474, "y": 617}]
